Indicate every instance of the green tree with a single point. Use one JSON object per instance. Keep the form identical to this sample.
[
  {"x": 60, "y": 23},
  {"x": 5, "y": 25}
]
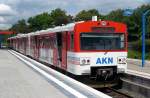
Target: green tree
[
  {"x": 135, "y": 21},
  {"x": 87, "y": 15},
  {"x": 60, "y": 17},
  {"x": 39, "y": 22},
  {"x": 20, "y": 27},
  {"x": 116, "y": 15}
]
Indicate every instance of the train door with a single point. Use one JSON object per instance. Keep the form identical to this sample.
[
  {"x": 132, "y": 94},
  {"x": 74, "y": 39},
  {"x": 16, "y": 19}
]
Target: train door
[
  {"x": 64, "y": 50},
  {"x": 59, "y": 48},
  {"x": 46, "y": 48},
  {"x": 25, "y": 39},
  {"x": 55, "y": 52},
  {"x": 33, "y": 47},
  {"x": 41, "y": 46},
  {"x": 38, "y": 46}
]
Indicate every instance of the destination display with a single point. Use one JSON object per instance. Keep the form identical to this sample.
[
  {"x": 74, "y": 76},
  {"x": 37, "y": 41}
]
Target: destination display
[{"x": 103, "y": 29}]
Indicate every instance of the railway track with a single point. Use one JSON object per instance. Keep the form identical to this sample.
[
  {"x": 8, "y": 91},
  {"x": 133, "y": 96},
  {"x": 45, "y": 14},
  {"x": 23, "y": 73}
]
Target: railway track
[
  {"x": 113, "y": 89},
  {"x": 114, "y": 93},
  {"x": 138, "y": 86}
]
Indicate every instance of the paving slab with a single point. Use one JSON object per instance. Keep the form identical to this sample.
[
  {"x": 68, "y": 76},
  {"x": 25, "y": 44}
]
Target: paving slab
[{"x": 17, "y": 80}]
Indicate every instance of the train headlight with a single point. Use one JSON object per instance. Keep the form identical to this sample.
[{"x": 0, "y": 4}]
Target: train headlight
[
  {"x": 122, "y": 60},
  {"x": 103, "y": 23},
  {"x": 85, "y": 61}
]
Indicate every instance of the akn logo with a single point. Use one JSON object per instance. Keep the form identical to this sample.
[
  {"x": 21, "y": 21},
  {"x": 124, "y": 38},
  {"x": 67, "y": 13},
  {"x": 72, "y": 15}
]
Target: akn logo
[{"x": 105, "y": 60}]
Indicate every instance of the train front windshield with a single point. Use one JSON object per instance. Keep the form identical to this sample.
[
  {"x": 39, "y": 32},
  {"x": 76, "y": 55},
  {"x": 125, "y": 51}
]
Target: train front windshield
[{"x": 101, "y": 41}]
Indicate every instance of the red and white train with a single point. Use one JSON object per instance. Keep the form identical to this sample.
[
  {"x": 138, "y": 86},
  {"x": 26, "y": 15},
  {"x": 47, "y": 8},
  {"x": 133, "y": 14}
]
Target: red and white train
[{"x": 81, "y": 48}]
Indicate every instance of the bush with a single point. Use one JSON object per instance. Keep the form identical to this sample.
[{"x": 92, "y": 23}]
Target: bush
[
  {"x": 134, "y": 54},
  {"x": 137, "y": 55},
  {"x": 148, "y": 56},
  {"x": 137, "y": 46}
]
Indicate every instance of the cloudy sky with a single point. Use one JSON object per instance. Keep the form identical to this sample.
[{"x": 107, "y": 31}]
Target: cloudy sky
[{"x": 13, "y": 10}]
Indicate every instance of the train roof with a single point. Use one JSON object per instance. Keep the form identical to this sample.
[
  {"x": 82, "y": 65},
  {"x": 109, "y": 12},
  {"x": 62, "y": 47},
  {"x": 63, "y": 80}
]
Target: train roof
[{"x": 68, "y": 27}]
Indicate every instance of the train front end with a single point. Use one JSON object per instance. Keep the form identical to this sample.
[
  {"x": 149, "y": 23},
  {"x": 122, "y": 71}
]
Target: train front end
[{"x": 100, "y": 49}]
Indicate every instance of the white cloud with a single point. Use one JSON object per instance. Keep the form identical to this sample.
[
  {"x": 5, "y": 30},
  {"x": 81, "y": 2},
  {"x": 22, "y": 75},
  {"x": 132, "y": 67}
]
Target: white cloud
[
  {"x": 2, "y": 20},
  {"x": 6, "y": 10},
  {"x": 13, "y": 10},
  {"x": 6, "y": 16}
]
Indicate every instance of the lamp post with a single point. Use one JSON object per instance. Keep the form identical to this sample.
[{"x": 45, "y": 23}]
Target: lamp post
[{"x": 144, "y": 15}]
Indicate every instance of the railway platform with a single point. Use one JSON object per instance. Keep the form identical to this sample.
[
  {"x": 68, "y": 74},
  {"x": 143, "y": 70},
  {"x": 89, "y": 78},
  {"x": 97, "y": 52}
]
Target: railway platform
[
  {"x": 134, "y": 64},
  {"x": 17, "y": 80},
  {"x": 134, "y": 67},
  {"x": 22, "y": 77}
]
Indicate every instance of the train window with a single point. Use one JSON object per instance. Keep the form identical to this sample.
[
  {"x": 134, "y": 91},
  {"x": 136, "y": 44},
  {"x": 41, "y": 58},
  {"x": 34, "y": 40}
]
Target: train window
[{"x": 101, "y": 41}]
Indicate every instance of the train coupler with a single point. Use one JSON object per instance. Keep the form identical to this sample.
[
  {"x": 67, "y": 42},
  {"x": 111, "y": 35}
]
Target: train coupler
[{"x": 104, "y": 73}]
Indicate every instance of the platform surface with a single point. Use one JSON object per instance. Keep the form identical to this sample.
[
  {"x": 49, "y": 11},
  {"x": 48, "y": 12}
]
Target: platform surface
[
  {"x": 17, "y": 80},
  {"x": 134, "y": 64}
]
